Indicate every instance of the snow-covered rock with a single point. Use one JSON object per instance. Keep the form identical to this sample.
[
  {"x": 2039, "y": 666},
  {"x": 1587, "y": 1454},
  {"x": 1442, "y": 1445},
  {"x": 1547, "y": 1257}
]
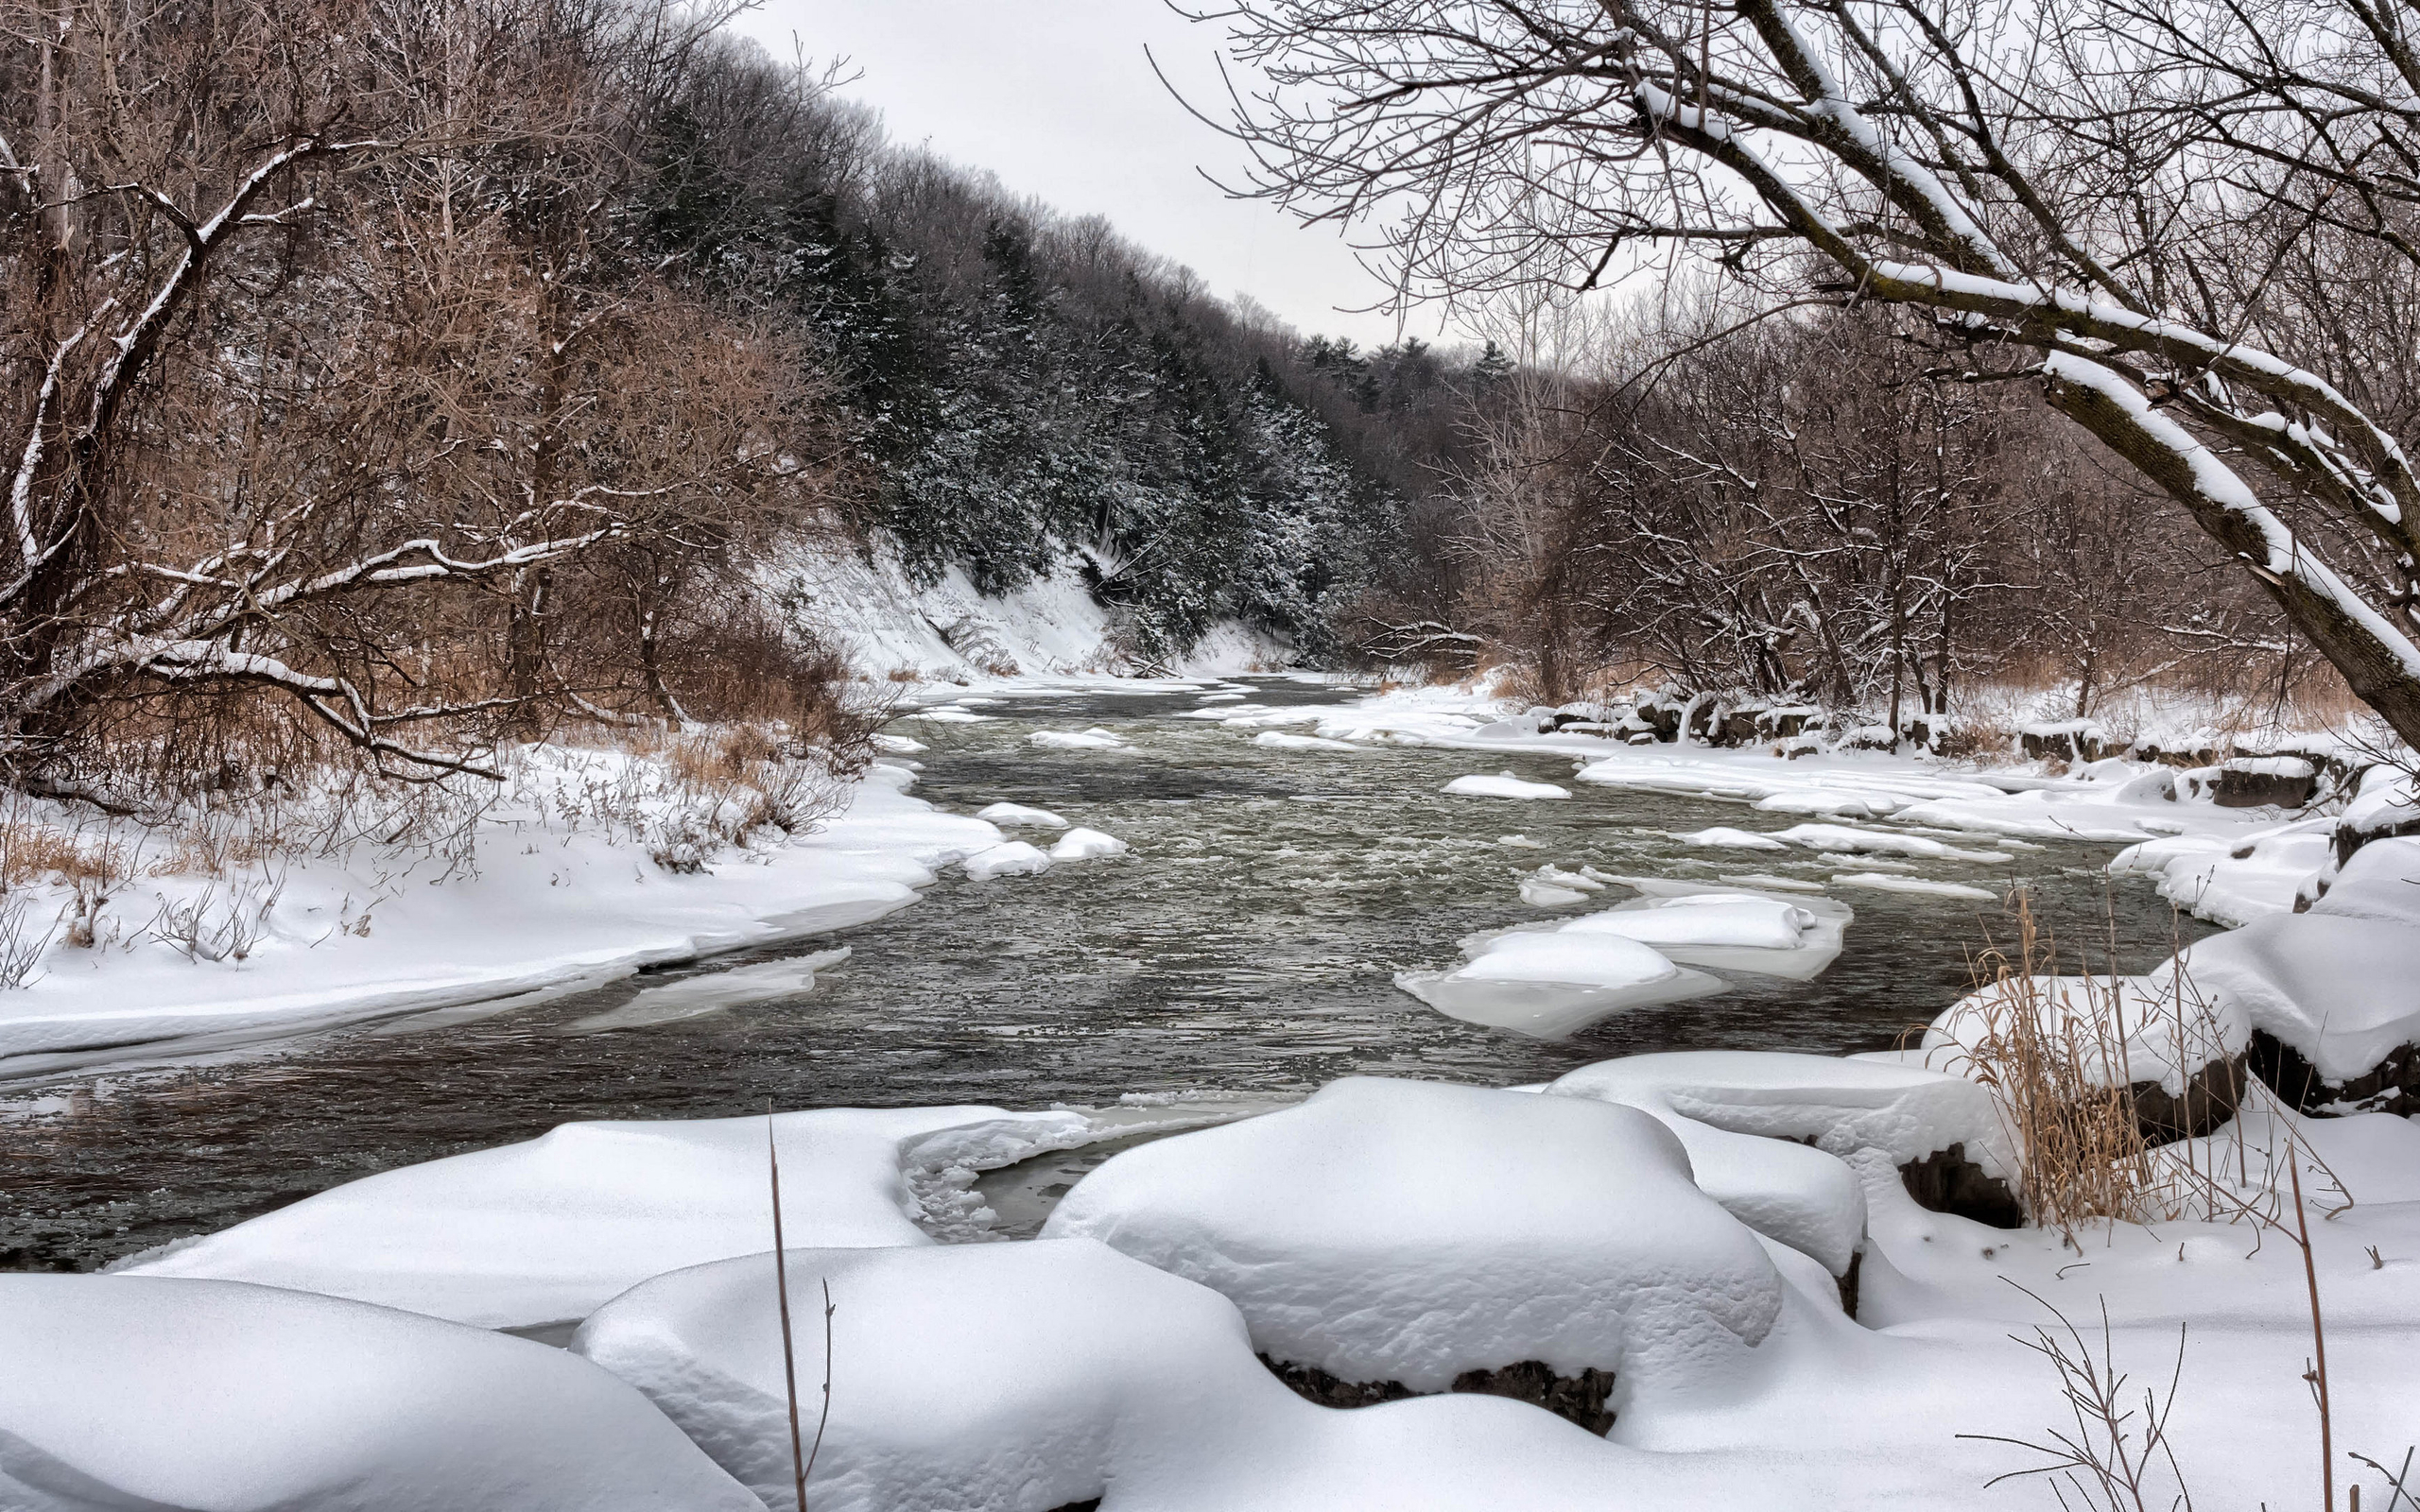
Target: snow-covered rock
[
  {"x": 548, "y": 1229},
  {"x": 1411, "y": 1232},
  {"x": 1080, "y": 843},
  {"x": 967, "y": 1377},
  {"x": 140, "y": 1395},
  {"x": 2334, "y": 996},
  {"x": 1018, "y": 813},
  {"x": 1014, "y": 858},
  {"x": 1504, "y": 785}
]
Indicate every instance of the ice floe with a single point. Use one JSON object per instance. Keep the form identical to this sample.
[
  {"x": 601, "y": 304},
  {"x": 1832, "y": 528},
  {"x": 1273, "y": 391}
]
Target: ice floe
[
  {"x": 1504, "y": 785},
  {"x": 713, "y": 991},
  {"x": 1018, "y": 813},
  {"x": 1094, "y": 739}
]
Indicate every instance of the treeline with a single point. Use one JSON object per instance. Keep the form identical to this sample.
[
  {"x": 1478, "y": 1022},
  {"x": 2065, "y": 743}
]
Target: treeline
[
  {"x": 397, "y": 380},
  {"x": 1818, "y": 504}
]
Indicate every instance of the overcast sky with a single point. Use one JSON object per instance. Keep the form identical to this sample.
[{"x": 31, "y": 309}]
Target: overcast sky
[{"x": 1056, "y": 97}]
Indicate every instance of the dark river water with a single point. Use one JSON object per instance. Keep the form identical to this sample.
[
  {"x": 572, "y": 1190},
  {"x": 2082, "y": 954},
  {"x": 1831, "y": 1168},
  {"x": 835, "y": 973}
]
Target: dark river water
[{"x": 1246, "y": 946}]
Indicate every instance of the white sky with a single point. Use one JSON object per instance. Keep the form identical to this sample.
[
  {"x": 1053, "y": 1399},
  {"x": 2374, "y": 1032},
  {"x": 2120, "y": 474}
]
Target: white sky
[{"x": 1056, "y": 97}]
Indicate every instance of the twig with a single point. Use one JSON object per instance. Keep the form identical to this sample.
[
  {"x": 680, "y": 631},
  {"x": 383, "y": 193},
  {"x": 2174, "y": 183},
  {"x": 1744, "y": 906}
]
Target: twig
[
  {"x": 782, "y": 1285},
  {"x": 2318, "y": 1377}
]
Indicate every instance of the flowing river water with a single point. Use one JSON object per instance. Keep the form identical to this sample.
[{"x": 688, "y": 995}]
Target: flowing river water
[{"x": 1247, "y": 946}]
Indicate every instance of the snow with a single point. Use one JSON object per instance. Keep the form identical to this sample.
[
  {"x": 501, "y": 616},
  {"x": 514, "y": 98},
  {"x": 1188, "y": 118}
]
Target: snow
[
  {"x": 1093, "y": 739},
  {"x": 1734, "y": 840},
  {"x": 713, "y": 991},
  {"x": 1739, "y": 931},
  {"x": 1014, "y": 858},
  {"x": 549, "y": 1229},
  {"x": 1395, "y": 1231},
  {"x": 967, "y": 1377},
  {"x": 2231, "y": 880},
  {"x": 1884, "y": 842},
  {"x": 553, "y": 900},
  {"x": 1539, "y": 894},
  {"x": 1883, "y": 882},
  {"x": 1276, "y": 740},
  {"x": 2342, "y": 989},
  {"x": 1548, "y": 985},
  {"x": 1080, "y": 843},
  {"x": 2109, "y": 1029},
  {"x": 133, "y": 1393},
  {"x": 1504, "y": 785},
  {"x": 1017, "y": 814}
]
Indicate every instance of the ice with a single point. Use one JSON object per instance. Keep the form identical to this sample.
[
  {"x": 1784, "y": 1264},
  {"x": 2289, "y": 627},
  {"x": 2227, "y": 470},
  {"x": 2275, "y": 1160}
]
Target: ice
[
  {"x": 967, "y": 1377},
  {"x": 1503, "y": 785},
  {"x": 1541, "y": 894},
  {"x": 1276, "y": 740},
  {"x": 1885, "y": 882},
  {"x": 1018, "y": 813},
  {"x": 946, "y": 714},
  {"x": 136, "y": 1395},
  {"x": 1093, "y": 739},
  {"x": 1398, "y": 1230},
  {"x": 1080, "y": 843},
  {"x": 1547, "y": 985},
  {"x": 1015, "y": 858},
  {"x": 1734, "y": 839},
  {"x": 1730, "y": 930},
  {"x": 898, "y": 745},
  {"x": 1885, "y": 842},
  {"x": 551, "y": 1229},
  {"x": 1831, "y": 801},
  {"x": 713, "y": 991}
]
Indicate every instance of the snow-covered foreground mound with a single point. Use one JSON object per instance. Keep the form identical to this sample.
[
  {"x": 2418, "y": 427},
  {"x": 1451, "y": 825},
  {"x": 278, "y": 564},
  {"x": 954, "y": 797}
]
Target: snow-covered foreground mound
[
  {"x": 1407, "y": 1232},
  {"x": 548, "y": 1231},
  {"x": 136, "y": 1395},
  {"x": 1551, "y": 980}
]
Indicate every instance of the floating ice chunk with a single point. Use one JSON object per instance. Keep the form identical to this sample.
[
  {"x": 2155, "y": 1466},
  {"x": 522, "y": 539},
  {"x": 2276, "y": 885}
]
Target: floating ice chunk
[
  {"x": 1276, "y": 740},
  {"x": 947, "y": 715},
  {"x": 1013, "y": 858},
  {"x": 1226, "y": 711},
  {"x": 1401, "y": 1230},
  {"x": 1020, "y": 815},
  {"x": 1249, "y": 716},
  {"x": 548, "y": 1229},
  {"x": 1221, "y": 697},
  {"x": 1583, "y": 880},
  {"x": 978, "y": 1376},
  {"x": 1885, "y": 882},
  {"x": 1736, "y": 840},
  {"x": 1539, "y": 894},
  {"x": 128, "y": 1392},
  {"x": 1888, "y": 842},
  {"x": 1080, "y": 843},
  {"x": 1831, "y": 801},
  {"x": 1504, "y": 785},
  {"x": 714, "y": 991},
  {"x": 1093, "y": 739},
  {"x": 898, "y": 745},
  {"x": 1550, "y": 983},
  {"x": 1520, "y": 842},
  {"x": 1730, "y": 930}
]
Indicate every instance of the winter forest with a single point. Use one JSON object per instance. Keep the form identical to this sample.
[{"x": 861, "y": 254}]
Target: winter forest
[{"x": 703, "y": 806}]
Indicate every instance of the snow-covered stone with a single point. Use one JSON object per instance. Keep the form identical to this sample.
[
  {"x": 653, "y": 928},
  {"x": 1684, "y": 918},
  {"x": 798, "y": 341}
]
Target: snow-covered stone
[
  {"x": 1018, "y": 813},
  {"x": 132, "y": 1393},
  {"x": 1410, "y": 1231},
  {"x": 548, "y": 1229},
  {"x": 2335, "y": 997},
  {"x": 1014, "y": 858},
  {"x": 1080, "y": 843}
]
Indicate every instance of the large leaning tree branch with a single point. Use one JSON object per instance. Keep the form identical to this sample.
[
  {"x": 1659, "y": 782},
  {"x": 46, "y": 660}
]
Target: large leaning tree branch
[{"x": 2114, "y": 189}]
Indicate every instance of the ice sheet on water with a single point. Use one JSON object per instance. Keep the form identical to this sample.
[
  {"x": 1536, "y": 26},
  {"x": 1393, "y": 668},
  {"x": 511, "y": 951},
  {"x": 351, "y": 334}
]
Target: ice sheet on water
[
  {"x": 712, "y": 992},
  {"x": 1887, "y": 881}
]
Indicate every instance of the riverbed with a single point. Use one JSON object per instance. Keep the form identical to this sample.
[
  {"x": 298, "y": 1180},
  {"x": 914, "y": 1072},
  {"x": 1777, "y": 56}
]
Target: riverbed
[{"x": 1245, "y": 946}]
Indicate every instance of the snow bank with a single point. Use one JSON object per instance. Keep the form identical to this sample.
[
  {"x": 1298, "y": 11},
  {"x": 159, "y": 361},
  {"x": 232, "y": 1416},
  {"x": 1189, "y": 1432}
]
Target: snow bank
[
  {"x": 550, "y": 903},
  {"x": 1504, "y": 785},
  {"x": 968, "y": 1377},
  {"x": 126, "y": 1393},
  {"x": 2340, "y": 989},
  {"x": 1409, "y": 1231},
  {"x": 548, "y": 1229},
  {"x": 2231, "y": 879}
]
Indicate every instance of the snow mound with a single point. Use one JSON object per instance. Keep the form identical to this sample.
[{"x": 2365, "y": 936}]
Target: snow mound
[
  {"x": 1548, "y": 984},
  {"x": 1080, "y": 843},
  {"x": 2340, "y": 989},
  {"x": 1014, "y": 858},
  {"x": 1409, "y": 1231},
  {"x": 1504, "y": 785},
  {"x": 2127, "y": 1029},
  {"x": 1093, "y": 739},
  {"x": 548, "y": 1230},
  {"x": 968, "y": 1377},
  {"x": 163, "y": 1394},
  {"x": 2231, "y": 879},
  {"x": 1019, "y": 815}
]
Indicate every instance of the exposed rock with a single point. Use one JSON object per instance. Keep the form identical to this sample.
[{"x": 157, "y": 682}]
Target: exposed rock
[
  {"x": 1847, "y": 1281},
  {"x": 2256, "y": 781},
  {"x": 2208, "y": 1100},
  {"x": 2072, "y": 740},
  {"x": 1579, "y": 1399},
  {"x": 1948, "y": 1181},
  {"x": 2175, "y": 754},
  {"x": 2391, "y": 1086}
]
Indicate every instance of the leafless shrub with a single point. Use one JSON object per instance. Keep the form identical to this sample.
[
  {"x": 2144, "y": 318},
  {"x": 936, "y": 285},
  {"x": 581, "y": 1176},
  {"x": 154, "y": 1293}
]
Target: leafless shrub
[{"x": 2118, "y": 1457}]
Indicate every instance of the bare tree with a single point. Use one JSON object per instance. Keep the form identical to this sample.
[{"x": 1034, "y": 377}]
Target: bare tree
[{"x": 2108, "y": 198}]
